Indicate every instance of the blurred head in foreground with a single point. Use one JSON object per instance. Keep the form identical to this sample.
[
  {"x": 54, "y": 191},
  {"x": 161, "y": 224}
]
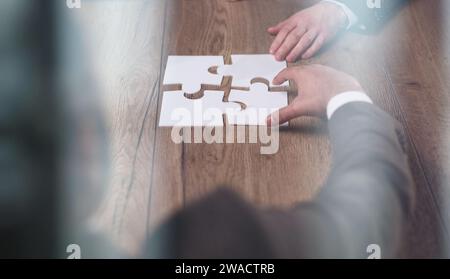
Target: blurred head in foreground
[{"x": 52, "y": 144}]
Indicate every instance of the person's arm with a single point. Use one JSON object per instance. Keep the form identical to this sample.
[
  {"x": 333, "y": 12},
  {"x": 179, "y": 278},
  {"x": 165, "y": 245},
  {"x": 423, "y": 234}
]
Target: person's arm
[
  {"x": 303, "y": 34},
  {"x": 365, "y": 201},
  {"x": 368, "y": 194},
  {"x": 369, "y": 191},
  {"x": 371, "y": 14}
]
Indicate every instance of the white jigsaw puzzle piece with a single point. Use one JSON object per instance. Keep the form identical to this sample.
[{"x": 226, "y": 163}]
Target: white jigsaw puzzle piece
[
  {"x": 179, "y": 111},
  {"x": 245, "y": 68},
  {"x": 192, "y": 71},
  {"x": 260, "y": 104}
]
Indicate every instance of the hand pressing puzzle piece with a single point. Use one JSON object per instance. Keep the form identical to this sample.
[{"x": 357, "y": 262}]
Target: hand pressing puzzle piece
[
  {"x": 245, "y": 68},
  {"x": 259, "y": 102},
  {"x": 192, "y": 71},
  {"x": 179, "y": 111}
]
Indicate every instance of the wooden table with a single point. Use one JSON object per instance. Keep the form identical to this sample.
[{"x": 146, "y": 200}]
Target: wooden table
[{"x": 404, "y": 68}]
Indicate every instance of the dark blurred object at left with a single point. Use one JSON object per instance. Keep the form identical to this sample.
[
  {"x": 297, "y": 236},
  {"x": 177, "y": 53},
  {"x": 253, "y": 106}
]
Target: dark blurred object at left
[{"x": 52, "y": 142}]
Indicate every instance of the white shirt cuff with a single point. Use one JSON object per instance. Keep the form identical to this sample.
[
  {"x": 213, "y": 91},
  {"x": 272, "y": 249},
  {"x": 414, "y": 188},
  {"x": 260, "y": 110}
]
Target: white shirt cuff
[
  {"x": 344, "y": 98},
  {"x": 352, "y": 17}
]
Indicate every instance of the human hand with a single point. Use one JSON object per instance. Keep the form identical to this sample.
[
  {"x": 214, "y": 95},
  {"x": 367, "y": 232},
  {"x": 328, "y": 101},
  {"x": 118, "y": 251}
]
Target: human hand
[
  {"x": 304, "y": 33},
  {"x": 316, "y": 85}
]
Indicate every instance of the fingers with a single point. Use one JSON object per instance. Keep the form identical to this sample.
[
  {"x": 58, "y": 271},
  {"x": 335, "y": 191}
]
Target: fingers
[
  {"x": 303, "y": 44},
  {"x": 289, "y": 43},
  {"x": 281, "y": 36},
  {"x": 275, "y": 29},
  {"x": 315, "y": 47},
  {"x": 286, "y": 74}
]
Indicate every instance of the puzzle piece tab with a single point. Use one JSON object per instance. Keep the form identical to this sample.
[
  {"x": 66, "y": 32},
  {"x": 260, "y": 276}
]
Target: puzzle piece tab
[
  {"x": 192, "y": 71},
  {"x": 260, "y": 104},
  {"x": 179, "y": 111},
  {"x": 245, "y": 68}
]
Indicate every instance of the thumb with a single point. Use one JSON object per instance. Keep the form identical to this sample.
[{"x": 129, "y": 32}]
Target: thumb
[
  {"x": 297, "y": 74},
  {"x": 299, "y": 107}
]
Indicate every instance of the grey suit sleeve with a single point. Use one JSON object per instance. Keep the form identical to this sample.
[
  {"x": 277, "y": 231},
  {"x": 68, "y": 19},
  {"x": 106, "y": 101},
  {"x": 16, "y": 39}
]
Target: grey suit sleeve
[
  {"x": 365, "y": 201},
  {"x": 369, "y": 191}
]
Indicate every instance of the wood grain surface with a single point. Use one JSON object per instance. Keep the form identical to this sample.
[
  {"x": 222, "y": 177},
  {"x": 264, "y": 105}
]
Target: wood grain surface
[{"x": 404, "y": 68}]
